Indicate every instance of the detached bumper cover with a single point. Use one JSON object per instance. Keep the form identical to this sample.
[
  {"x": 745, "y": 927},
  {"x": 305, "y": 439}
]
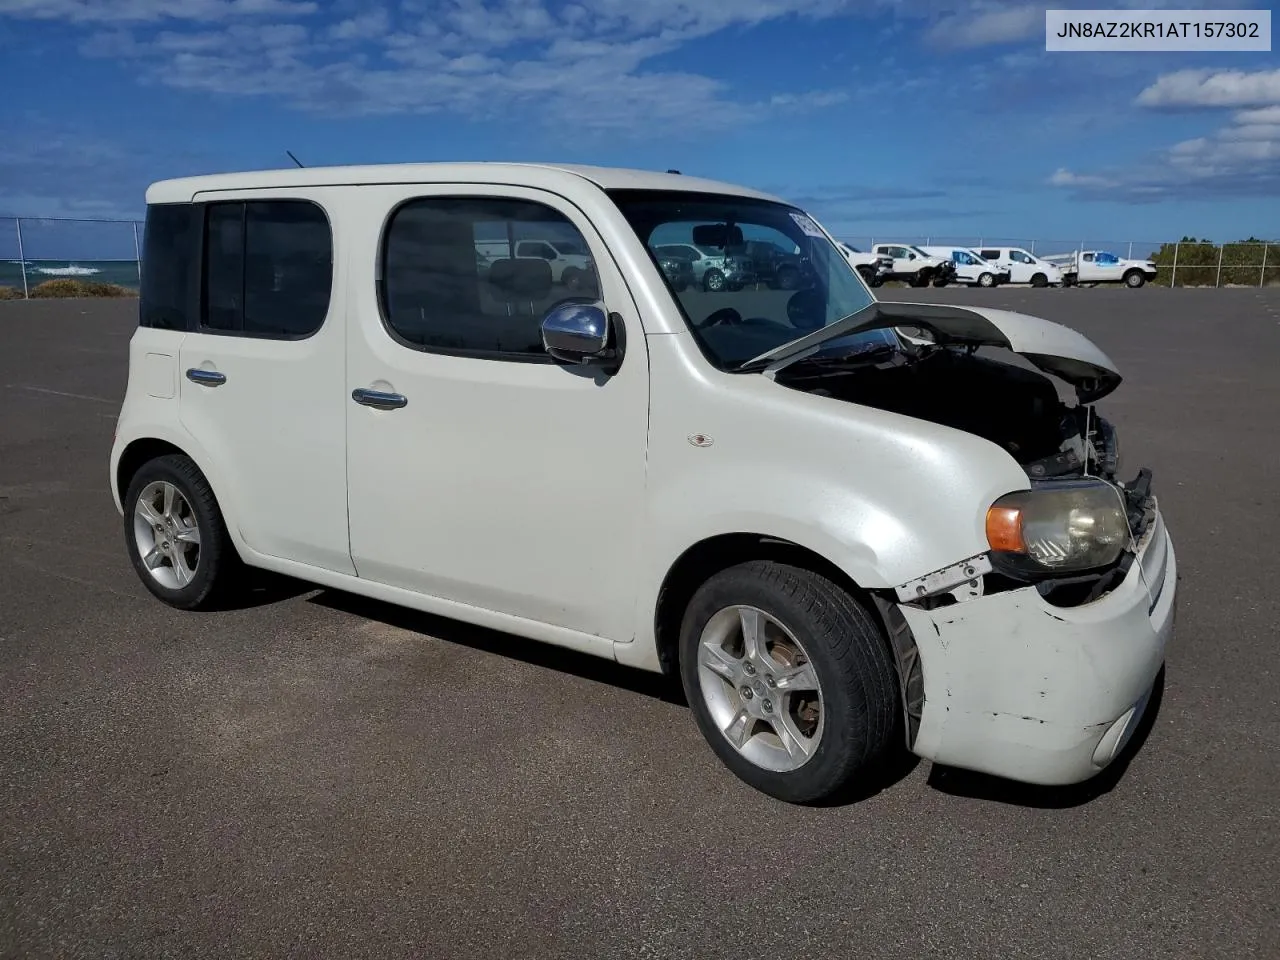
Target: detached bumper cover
[{"x": 1021, "y": 689}]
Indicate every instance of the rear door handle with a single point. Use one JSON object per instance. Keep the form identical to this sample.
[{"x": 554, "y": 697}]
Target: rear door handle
[
  {"x": 378, "y": 399},
  {"x": 209, "y": 378}
]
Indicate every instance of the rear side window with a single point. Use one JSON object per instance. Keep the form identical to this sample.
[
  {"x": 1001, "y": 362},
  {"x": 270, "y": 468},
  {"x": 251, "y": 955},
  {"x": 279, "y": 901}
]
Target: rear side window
[
  {"x": 991, "y": 254},
  {"x": 438, "y": 295},
  {"x": 268, "y": 268},
  {"x": 170, "y": 259}
]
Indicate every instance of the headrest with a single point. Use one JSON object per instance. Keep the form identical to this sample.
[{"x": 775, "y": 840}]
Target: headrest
[{"x": 525, "y": 278}]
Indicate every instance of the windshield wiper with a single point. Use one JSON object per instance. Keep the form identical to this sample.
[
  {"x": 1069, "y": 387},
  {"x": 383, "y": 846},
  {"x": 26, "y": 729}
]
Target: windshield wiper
[{"x": 809, "y": 340}]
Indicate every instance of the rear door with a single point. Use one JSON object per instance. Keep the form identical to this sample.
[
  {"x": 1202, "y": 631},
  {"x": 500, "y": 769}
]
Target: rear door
[{"x": 261, "y": 372}]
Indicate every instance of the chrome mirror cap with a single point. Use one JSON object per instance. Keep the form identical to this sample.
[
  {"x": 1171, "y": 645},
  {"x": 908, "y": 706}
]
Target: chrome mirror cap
[{"x": 577, "y": 332}]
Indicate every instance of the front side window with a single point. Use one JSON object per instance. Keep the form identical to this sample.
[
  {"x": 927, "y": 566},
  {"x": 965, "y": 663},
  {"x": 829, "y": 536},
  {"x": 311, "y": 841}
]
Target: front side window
[
  {"x": 438, "y": 295},
  {"x": 747, "y": 315},
  {"x": 268, "y": 268}
]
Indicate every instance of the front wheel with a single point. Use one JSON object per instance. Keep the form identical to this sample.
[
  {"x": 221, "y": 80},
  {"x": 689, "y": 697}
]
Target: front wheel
[
  {"x": 713, "y": 280},
  {"x": 175, "y": 535},
  {"x": 1135, "y": 279},
  {"x": 986, "y": 280},
  {"x": 790, "y": 680}
]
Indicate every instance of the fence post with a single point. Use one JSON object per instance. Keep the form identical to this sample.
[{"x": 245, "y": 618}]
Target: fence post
[
  {"x": 1033, "y": 248},
  {"x": 1130, "y": 250},
  {"x": 1262, "y": 274},
  {"x": 22, "y": 260},
  {"x": 1217, "y": 282},
  {"x": 137, "y": 251},
  {"x": 1173, "y": 274}
]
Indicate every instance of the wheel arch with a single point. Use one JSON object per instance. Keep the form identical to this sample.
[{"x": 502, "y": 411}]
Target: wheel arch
[
  {"x": 142, "y": 449},
  {"x": 713, "y": 554}
]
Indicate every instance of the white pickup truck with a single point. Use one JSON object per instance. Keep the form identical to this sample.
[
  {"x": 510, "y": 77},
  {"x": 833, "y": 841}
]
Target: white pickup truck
[
  {"x": 971, "y": 268},
  {"x": 568, "y": 259},
  {"x": 874, "y": 268},
  {"x": 915, "y": 266},
  {"x": 1102, "y": 266}
]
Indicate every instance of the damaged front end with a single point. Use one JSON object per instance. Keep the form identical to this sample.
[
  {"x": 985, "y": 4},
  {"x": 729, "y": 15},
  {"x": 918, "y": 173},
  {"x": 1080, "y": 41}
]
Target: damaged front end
[{"x": 1074, "y": 533}]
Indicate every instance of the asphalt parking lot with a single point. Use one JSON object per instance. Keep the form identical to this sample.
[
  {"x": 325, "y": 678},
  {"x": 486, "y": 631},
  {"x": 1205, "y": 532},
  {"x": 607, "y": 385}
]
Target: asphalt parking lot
[{"x": 321, "y": 775}]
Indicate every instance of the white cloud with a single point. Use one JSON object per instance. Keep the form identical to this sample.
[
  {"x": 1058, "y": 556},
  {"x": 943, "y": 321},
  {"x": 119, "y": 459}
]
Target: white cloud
[
  {"x": 141, "y": 11},
  {"x": 1213, "y": 88},
  {"x": 1266, "y": 115},
  {"x": 983, "y": 28},
  {"x": 586, "y": 64},
  {"x": 1062, "y": 177},
  {"x": 365, "y": 26}
]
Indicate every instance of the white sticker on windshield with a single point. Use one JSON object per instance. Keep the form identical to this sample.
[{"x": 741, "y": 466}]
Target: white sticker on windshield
[{"x": 808, "y": 226}]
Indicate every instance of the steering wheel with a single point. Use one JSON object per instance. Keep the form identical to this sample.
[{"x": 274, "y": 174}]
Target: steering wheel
[{"x": 725, "y": 315}]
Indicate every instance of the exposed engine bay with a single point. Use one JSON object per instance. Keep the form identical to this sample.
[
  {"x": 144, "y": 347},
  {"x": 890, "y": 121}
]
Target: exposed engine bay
[{"x": 1016, "y": 408}]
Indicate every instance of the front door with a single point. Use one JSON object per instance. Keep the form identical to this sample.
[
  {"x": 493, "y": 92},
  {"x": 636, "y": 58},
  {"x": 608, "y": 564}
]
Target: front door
[{"x": 483, "y": 472}]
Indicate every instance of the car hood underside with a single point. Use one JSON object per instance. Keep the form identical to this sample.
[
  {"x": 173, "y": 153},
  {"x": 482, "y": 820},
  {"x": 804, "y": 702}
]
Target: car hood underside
[{"x": 1053, "y": 348}]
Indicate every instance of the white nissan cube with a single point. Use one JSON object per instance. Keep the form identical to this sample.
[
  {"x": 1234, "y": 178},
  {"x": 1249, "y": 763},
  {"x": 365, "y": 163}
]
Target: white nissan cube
[{"x": 850, "y": 526}]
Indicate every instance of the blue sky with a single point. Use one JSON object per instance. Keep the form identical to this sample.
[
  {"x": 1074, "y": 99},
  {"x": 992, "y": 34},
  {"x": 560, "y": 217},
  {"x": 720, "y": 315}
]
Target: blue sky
[{"x": 880, "y": 116}]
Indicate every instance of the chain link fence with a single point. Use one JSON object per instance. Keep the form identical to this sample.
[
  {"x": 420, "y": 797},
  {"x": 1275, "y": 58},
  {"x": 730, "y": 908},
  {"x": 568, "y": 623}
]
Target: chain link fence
[{"x": 38, "y": 252}]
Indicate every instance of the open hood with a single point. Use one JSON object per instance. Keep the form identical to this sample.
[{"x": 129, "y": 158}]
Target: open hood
[{"x": 1053, "y": 348}]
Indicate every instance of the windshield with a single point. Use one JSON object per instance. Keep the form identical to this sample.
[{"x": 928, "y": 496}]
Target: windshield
[
  {"x": 759, "y": 300},
  {"x": 919, "y": 251}
]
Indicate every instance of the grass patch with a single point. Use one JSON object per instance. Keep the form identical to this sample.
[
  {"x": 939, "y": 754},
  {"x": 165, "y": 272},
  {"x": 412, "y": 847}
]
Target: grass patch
[
  {"x": 8, "y": 293},
  {"x": 66, "y": 287}
]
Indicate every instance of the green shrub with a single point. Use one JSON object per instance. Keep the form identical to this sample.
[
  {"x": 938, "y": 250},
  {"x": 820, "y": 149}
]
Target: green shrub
[{"x": 66, "y": 287}]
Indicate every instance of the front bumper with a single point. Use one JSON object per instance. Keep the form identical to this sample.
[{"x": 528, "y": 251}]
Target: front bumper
[{"x": 1019, "y": 688}]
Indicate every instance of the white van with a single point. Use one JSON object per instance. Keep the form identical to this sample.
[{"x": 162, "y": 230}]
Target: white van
[
  {"x": 771, "y": 493},
  {"x": 1023, "y": 266},
  {"x": 971, "y": 269}
]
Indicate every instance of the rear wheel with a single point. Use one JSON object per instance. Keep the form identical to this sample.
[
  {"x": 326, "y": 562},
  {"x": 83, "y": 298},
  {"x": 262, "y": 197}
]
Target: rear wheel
[
  {"x": 175, "y": 534},
  {"x": 789, "y": 679},
  {"x": 1039, "y": 280}
]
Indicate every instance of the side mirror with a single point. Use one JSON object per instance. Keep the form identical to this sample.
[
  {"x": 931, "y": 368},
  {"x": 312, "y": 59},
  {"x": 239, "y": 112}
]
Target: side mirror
[{"x": 579, "y": 332}]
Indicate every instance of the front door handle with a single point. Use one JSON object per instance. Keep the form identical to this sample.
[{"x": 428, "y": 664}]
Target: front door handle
[
  {"x": 378, "y": 399},
  {"x": 209, "y": 378}
]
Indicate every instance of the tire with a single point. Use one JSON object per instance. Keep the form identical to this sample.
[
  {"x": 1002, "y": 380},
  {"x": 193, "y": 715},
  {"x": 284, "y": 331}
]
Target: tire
[
  {"x": 1134, "y": 279},
  {"x": 986, "y": 280},
  {"x": 713, "y": 280},
  {"x": 810, "y": 621},
  {"x": 1039, "y": 280},
  {"x": 875, "y": 281},
  {"x": 919, "y": 279},
  {"x": 198, "y": 573}
]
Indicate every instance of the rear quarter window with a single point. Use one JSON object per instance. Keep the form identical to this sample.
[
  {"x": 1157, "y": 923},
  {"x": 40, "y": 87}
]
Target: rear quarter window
[{"x": 168, "y": 294}]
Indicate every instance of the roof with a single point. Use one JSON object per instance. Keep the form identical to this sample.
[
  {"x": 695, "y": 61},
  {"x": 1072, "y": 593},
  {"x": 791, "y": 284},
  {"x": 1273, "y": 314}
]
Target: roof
[{"x": 533, "y": 174}]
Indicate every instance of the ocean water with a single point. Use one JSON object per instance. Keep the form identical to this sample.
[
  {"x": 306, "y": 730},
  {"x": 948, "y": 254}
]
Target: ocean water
[{"x": 123, "y": 272}]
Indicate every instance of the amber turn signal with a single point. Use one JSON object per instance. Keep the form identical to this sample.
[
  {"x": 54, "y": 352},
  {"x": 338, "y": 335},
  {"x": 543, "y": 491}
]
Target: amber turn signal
[{"x": 1004, "y": 529}]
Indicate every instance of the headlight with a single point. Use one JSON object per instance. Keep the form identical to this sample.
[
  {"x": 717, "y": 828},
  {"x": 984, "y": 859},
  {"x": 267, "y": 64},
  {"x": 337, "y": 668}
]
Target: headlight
[{"x": 1060, "y": 526}]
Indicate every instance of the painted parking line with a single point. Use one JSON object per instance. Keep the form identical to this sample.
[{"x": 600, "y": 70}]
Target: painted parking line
[{"x": 58, "y": 393}]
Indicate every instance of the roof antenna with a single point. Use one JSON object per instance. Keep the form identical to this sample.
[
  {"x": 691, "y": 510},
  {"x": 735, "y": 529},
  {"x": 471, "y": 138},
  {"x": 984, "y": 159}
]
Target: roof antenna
[{"x": 293, "y": 158}]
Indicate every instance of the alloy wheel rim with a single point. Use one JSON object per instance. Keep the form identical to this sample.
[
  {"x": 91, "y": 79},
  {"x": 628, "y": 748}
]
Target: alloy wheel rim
[
  {"x": 760, "y": 688},
  {"x": 166, "y": 534}
]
